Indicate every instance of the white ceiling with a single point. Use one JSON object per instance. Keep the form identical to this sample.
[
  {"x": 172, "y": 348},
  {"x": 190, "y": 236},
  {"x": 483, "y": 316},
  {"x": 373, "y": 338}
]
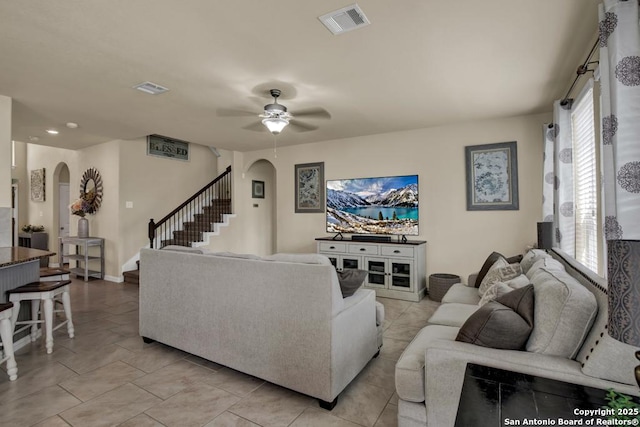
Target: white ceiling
[{"x": 420, "y": 63}]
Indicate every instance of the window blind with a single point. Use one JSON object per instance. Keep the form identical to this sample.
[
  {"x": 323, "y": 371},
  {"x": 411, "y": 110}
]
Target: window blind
[{"x": 585, "y": 181}]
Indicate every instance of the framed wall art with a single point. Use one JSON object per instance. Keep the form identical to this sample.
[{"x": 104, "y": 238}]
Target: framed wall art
[
  {"x": 309, "y": 179},
  {"x": 163, "y": 146},
  {"x": 492, "y": 176},
  {"x": 38, "y": 185},
  {"x": 257, "y": 189}
]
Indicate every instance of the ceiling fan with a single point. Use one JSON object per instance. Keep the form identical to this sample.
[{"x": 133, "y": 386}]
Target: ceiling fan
[{"x": 276, "y": 117}]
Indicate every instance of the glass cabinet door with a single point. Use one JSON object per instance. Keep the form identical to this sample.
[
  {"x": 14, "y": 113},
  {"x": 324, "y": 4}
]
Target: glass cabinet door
[
  {"x": 401, "y": 275},
  {"x": 377, "y": 272}
]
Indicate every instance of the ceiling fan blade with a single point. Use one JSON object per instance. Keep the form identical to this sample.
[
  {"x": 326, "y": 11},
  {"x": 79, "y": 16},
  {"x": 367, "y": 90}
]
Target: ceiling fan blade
[
  {"x": 230, "y": 112},
  {"x": 316, "y": 113},
  {"x": 301, "y": 126},
  {"x": 255, "y": 127}
]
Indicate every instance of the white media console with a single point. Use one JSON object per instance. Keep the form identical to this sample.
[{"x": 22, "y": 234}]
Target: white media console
[{"x": 396, "y": 269}]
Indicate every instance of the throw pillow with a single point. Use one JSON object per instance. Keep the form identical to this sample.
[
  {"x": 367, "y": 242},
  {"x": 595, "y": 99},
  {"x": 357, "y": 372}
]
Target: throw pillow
[
  {"x": 350, "y": 280},
  {"x": 505, "y": 323},
  {"x": 488, "y": 263},
  {"x": 496, "y": 290},
  {"x": 499, "y": 272},
  {"x": 518, "y": 282},
  {"x": 514, "y": 259}
]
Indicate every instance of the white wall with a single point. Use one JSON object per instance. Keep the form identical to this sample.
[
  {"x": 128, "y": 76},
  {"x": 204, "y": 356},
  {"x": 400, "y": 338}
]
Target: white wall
[{"x": 458, "y": 240}]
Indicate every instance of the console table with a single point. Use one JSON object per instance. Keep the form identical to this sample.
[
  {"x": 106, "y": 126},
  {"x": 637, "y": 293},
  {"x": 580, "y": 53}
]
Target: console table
[
  {"x": 495, "y": 397},
  {"x": 83, "y": 257},
  {"x": 396, "y": 269}
]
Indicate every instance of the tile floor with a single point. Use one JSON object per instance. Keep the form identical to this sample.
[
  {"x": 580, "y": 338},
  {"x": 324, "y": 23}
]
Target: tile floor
[{"x": 106, "y": 376}]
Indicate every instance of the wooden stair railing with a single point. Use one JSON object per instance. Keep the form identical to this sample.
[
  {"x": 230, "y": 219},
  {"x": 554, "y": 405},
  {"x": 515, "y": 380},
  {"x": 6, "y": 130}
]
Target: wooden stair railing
[{"x": 198, "y": 214}]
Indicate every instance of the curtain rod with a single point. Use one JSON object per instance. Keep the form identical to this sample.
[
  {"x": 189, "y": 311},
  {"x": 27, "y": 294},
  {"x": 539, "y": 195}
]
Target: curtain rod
[{"x": 567, "y": 102}]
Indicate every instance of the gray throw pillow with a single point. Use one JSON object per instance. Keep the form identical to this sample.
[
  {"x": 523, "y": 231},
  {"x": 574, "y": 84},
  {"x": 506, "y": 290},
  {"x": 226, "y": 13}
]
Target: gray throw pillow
[
  {"x": 505, "y": 323},
  {"x": 350, "y": 280},
  {"x": 491, "y": 259}
]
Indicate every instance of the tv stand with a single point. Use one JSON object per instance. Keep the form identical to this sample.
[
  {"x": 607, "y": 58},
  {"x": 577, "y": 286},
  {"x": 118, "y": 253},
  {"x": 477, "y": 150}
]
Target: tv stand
[{"x": 396, "y": 269}]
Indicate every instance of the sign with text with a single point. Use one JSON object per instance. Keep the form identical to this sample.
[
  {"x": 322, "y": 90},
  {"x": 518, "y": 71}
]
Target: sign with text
[{"x": 162, "y": 146}]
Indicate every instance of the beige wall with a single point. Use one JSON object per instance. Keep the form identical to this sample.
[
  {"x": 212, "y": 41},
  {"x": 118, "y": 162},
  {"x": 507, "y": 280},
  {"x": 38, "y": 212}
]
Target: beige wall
[
  {"x": 458, "y": 240},
  {"x": 156, "y": 186},
  {"x": 46, "y": 213},
  {"x": 5, "y": 171}
]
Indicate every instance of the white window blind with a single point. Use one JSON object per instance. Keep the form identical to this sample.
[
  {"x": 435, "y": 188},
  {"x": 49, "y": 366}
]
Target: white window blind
[{"x": 585, "y": 181}]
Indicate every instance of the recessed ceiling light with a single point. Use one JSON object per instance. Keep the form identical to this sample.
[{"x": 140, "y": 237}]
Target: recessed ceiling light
[
  {"x": 33, "y": 138},
  {"x": 72, "y": 125},
  {"x": 52, "y": 132}
]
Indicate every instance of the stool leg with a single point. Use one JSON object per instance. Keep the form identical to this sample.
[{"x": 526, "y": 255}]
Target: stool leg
[
  {"x": 15, "y": 313},
  {"x": 66, "y": 303},
  {"x": 48, "y": 324},
  {"x": 35, "y": 308},
  {"x": 6, "y": 333}
]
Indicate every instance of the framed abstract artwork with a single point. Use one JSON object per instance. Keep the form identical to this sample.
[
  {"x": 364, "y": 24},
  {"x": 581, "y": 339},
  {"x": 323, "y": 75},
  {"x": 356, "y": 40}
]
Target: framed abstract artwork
[
  {"x": 309, "y": 179},
  {"x": 257, "y": 189},
  {"x": 492, "y": 176},
  {"x": 37, "y": 185}
]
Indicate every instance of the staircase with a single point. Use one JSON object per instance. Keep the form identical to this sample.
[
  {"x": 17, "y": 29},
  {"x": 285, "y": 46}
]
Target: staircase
[
  {"x": 202, "y": 213},
  {"x": 132, "y": 276}
]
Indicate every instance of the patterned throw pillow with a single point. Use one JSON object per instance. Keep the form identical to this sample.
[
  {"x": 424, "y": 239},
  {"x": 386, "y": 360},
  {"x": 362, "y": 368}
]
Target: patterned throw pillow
[
  {"x": 499, "y": 272},
  {"x": 495, "y": 291}
]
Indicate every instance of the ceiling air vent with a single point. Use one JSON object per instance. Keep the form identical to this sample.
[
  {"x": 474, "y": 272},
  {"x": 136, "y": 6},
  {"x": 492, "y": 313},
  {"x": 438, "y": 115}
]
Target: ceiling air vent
[
  {"x": 151, "y": 88},
  {"x": 345, "y": 19}
]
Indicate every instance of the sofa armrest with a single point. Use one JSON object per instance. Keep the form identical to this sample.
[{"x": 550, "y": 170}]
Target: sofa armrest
[{"x": 446, "y": 361}]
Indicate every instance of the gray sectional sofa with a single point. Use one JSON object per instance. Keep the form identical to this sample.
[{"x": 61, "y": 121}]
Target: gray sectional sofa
[
  {"x": 281, "y": 318},
  {"x": 568, "y": 342}
]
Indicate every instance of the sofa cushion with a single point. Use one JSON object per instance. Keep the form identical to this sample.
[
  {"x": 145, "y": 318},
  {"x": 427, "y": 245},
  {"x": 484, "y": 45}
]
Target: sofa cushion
[
  {"x": 500, "y": 272},
  {"x": 564, "y": 312},
  {"x": 505, "y": 323},
  {"x": 410, "y": 372},
  {"x": 462, "y": 294},
  {"x": 549, "y": 264},
  {"x": 188, "y": 249},
  {"x": 488, "y": 263},
  {"x": 452, "y": 314},
  {"x": 235, "y": 255},
  {"x": 350, "y": 280},
  {"x": 531, "y": 257},
  {"x": 309, "y": 258},
  {"x": 496, "y": 290}
]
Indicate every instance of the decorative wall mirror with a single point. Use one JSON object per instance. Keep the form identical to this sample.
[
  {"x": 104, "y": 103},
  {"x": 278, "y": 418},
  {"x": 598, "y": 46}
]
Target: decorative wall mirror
[{"x": 91, "y": 189}]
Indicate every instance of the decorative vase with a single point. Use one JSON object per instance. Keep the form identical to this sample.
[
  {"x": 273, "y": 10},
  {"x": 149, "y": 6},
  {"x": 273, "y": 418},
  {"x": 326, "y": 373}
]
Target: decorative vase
[{"x": 83, "y": 227}]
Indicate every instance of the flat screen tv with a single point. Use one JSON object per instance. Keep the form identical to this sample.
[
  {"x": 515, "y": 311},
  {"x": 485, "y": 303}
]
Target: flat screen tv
[{"x": 383, "y": 205}]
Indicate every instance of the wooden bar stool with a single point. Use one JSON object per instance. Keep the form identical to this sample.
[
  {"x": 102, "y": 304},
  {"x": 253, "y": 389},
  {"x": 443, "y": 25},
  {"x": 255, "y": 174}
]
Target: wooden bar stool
[
  {"x": 6, "y": 333},
  {"x": 53, "y": 274},
  {"x": 45, "y": 292}
]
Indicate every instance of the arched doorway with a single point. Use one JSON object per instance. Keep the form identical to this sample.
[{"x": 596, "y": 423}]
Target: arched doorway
[
  {"x": 61, "y": 202},
  {"x": 262, "y": 208}
]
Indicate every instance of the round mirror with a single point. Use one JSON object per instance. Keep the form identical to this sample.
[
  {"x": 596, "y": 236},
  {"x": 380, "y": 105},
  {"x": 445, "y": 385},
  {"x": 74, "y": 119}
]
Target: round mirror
[{"x": 91, "y": 189}]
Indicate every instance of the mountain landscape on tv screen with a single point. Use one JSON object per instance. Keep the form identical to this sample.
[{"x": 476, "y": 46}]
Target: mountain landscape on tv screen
[{"x": 373, "y": 205}]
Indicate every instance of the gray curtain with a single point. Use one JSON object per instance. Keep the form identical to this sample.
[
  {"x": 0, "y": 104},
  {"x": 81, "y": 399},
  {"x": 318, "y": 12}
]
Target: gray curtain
[{"x": 620, "y": 110}]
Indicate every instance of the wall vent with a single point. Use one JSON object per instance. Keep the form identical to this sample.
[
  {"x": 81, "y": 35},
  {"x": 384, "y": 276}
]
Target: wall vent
[
  {"x": 151, "y": 88},
  {"x": 345, "y": 19}
]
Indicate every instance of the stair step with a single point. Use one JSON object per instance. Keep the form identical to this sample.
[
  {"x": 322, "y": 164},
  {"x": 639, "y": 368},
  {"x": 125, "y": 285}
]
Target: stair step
[
  {"x": 193, "y": 235},
  {"x": 132, "y": 277},
  {"x": 176, "y": 242},
  {"x": 198, "y": 226}
]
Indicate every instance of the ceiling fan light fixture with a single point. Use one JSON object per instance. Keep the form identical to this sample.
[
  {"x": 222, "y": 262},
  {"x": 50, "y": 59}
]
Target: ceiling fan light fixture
[{"x": 275, "y": 124}]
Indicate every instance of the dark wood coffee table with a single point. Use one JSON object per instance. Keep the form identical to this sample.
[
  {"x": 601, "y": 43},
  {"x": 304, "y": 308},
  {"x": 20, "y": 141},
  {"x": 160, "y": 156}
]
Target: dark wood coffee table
[{"x": 495, "y": 397}]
